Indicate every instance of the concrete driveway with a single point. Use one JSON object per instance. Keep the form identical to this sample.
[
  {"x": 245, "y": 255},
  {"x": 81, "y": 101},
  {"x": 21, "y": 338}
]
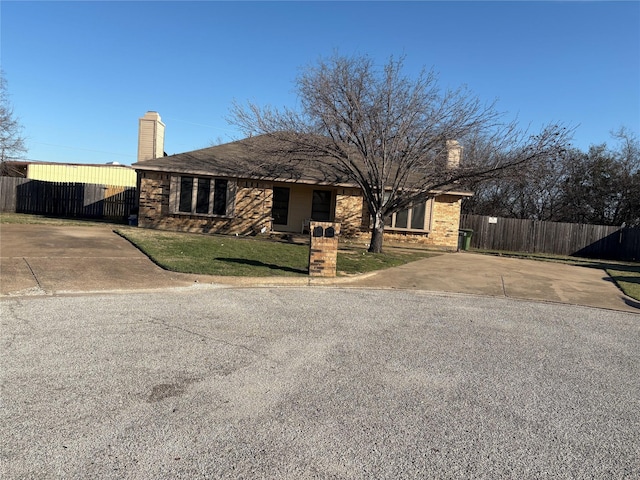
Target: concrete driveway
[
  {"x": 507, "y": 277},
  {"x": 49, "y": 260}
]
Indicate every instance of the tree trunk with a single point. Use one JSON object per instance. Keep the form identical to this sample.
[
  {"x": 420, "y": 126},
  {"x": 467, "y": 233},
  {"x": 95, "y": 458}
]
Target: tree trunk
[{"x": 375, "y": 245}]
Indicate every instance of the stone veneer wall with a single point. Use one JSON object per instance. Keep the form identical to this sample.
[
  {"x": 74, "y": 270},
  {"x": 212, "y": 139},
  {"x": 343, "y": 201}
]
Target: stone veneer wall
[
  {"x": 445, "y": 222},
  {"x": 253, "y": 203},
  {"x": 351, "y": 212},
  {"x": 153, "y": 197},
  {"x": 445, "y": 225}
]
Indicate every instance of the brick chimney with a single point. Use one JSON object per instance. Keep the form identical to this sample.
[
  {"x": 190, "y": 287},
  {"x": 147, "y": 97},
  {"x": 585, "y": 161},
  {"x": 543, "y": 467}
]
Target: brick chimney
[
  {"x": 150, "y": 137},
  {"x": 454, "y": 154}
]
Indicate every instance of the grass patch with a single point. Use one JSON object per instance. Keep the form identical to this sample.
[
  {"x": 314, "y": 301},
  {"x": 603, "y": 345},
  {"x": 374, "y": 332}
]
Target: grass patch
[
  {"x": 353, "y": 260},
  {"x": 627, "y": 279},
  {"x": 218, "y": 254},
  {"x": 255, "y": 257},
  {"x": 626, "y": 275},
  {"x": 27, "y": 219}
]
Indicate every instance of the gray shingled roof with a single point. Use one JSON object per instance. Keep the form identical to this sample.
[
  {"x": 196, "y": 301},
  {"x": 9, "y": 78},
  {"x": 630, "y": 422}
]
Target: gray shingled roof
[
  {"x": 240, "y": 159},
  {"x": 246, "y": 159}
]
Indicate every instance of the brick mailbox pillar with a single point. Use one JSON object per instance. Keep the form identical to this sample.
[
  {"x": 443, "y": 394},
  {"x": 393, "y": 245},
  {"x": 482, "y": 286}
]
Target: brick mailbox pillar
[{"x": 323, "y": 252}]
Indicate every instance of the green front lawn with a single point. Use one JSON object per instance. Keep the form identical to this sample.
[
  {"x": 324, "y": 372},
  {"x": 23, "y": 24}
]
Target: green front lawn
[{"x": 254, "y": 257}]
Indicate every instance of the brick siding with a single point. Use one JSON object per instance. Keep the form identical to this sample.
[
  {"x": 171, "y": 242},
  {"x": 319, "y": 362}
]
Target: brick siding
[
  {"x": 446, "y": 222},
  {"x": 323, "y": 251},
  {"x": 445, "y": 225},
  {"x": 253, "y": 201},
  {"x": 253, "y": 204},
  {"x": 351, "y": 212}
]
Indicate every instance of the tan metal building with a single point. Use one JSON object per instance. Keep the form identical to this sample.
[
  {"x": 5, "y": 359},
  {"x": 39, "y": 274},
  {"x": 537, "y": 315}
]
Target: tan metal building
[{"x": 116, "y": 175}]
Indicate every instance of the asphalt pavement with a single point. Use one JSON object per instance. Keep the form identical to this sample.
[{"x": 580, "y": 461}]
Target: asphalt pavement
[
  {"x": 456, "y": 366},
  {"x": 300, "y": 382}
]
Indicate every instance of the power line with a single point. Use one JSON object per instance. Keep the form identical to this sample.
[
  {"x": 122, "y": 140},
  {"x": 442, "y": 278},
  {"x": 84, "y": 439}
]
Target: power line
[
  {"x": 129, "y": 155},
  {"x": 198, "y": 124}
]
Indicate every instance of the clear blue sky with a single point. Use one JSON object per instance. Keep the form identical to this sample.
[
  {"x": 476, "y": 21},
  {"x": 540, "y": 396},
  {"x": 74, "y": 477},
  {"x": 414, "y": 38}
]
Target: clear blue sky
[{"x": 80, "y": 74}]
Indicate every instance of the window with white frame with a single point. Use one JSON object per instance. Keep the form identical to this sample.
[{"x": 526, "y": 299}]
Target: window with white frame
[
  {"x": 415, "y": 218},
  {"x": 202, "y": 196}
]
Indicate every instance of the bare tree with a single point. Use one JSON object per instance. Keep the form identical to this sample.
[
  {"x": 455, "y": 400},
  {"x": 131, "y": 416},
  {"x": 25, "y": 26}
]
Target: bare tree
[
  {"x": 387, "y": 133},
  {"x": 603, "y": 185},
  {"x": 599, "y": 186},
  {"x": 12, "y": 143},
  {"x": 535, "y": 191},
  {"x": 628, "y": 155}
]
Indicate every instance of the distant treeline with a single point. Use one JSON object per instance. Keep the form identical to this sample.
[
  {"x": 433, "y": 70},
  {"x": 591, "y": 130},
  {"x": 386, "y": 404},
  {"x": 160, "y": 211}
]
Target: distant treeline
[{"x": 600, "y": 186}]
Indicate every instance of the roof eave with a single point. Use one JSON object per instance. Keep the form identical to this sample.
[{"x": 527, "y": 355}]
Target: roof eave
[
  {"x": 304, "y": 181},
  {"x": 210, "y": 173},
  {"x": 460, "y": 193}
]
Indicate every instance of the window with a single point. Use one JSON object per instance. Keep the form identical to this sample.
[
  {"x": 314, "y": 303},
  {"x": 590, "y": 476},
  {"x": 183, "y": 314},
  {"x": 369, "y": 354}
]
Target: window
[
  {"x": 415, "y": 218},
  {"x": 402, "y": 217},
  {"x": 220, "y": 197},
  {"x": 280, "y": 209},
  {"x": 202, "y": 196},
  {"x": 186, "y": 187},
  {"x": 321, "y": 206}
]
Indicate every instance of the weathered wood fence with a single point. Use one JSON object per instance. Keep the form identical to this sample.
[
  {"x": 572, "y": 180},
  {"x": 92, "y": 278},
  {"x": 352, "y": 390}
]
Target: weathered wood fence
[
  {"x": 78, "y": 200},
  {"x": 532, "y": 236}
]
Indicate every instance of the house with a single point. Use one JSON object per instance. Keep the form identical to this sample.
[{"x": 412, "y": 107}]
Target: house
[{"x": 227, "y": 189}]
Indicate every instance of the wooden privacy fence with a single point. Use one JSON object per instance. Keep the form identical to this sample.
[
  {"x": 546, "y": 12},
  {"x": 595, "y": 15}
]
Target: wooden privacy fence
[
  {"x": 80, "y": 200},
  {"x": 533, "y": 236}
]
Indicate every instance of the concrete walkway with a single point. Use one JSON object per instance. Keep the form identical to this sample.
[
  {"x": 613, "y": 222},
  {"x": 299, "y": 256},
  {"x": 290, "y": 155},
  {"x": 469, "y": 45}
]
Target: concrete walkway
[{"x": 53, "y": 260}]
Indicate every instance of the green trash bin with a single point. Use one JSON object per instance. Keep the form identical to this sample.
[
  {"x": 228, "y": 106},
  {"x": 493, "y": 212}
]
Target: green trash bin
[{"x": 464, "y": 239}]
